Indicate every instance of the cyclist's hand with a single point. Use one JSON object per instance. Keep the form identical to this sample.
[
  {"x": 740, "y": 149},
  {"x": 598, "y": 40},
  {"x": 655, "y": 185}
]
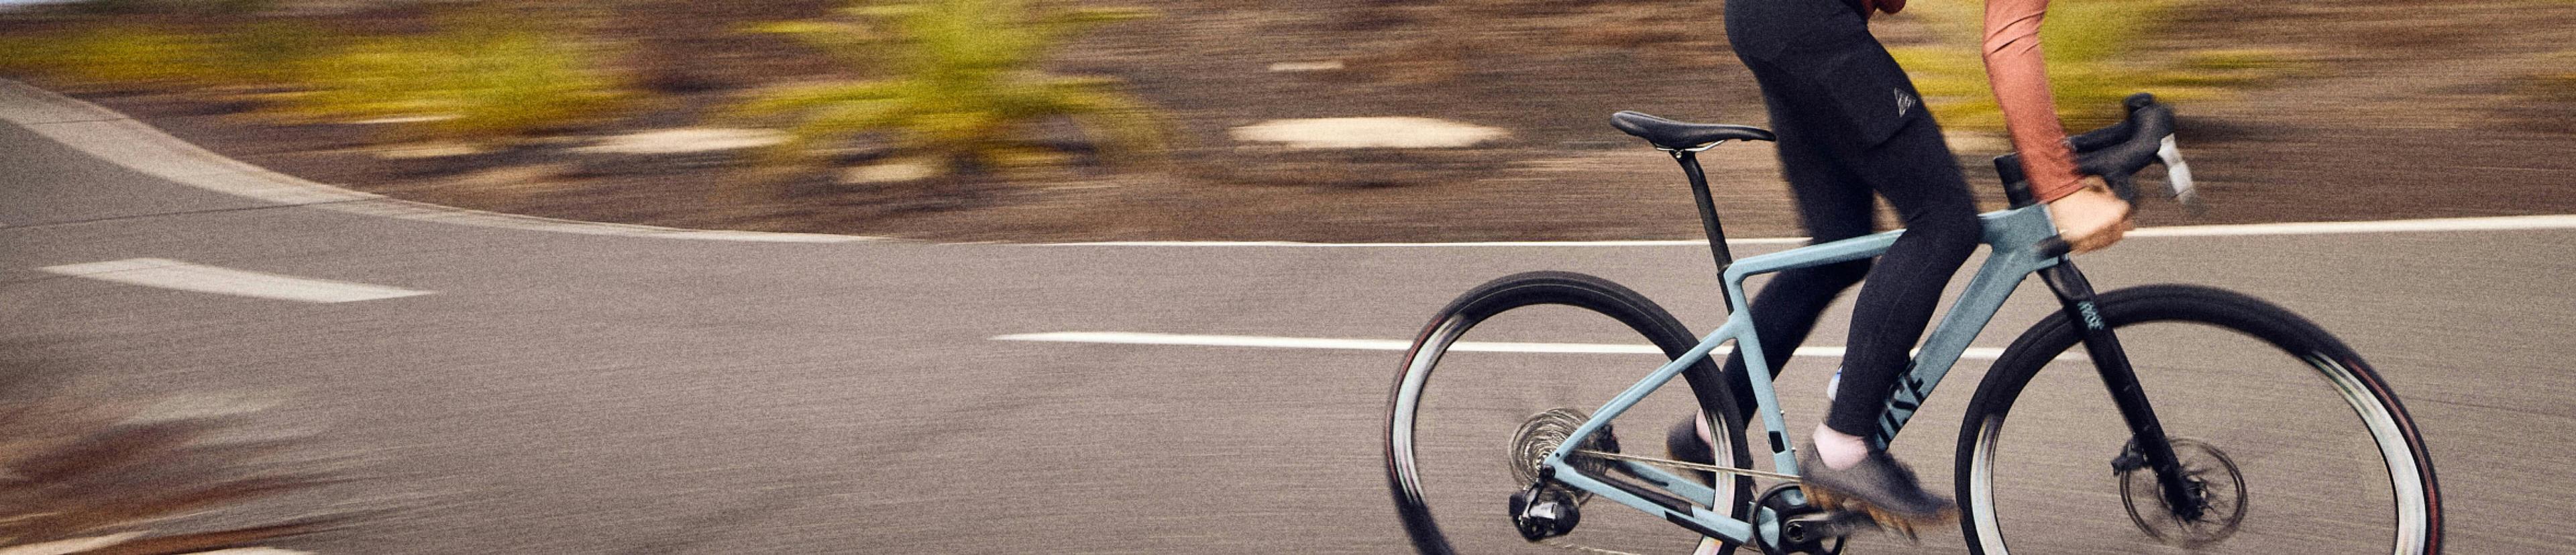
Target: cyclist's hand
[{"x": 2091, "y": 218}]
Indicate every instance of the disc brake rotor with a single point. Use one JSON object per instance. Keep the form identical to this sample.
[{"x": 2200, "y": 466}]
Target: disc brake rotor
[{"x": 2221, "y": 493}]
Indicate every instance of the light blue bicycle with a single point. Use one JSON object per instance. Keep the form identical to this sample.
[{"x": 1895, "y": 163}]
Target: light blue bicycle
[{"x": 2197, "y": 400}]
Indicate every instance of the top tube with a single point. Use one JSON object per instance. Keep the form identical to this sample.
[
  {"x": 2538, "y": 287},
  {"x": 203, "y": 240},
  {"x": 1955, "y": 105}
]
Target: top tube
[{"x": 2015, "y": 232}]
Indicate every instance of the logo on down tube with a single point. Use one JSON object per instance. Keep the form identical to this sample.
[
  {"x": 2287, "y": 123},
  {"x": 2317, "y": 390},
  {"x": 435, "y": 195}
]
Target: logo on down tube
[{"x": 2092, "y": 318}]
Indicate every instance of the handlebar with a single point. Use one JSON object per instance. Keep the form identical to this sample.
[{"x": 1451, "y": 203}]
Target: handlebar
[{"x": 2117, "y": 153}]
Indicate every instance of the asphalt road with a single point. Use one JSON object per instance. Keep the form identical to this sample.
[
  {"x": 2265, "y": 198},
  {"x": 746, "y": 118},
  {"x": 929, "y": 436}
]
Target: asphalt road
[{"x": 563, "y": 393}]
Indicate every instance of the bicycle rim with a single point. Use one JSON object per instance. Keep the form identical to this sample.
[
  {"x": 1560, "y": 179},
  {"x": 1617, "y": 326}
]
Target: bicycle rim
[
  {"x": 1542, "y": 344},
  {"x": 2291, "y": 441}
]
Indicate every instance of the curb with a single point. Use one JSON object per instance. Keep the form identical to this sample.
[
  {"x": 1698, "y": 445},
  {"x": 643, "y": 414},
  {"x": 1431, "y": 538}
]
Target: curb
[{"x": 121, "y": 140}]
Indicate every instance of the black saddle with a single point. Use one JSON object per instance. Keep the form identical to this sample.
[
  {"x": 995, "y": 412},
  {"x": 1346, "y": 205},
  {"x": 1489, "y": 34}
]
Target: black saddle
[{"x": 1677, "y": 135}]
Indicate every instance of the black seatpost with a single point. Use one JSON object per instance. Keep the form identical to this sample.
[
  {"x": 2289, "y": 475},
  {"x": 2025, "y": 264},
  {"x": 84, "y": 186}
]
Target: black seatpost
[{"x": 1689, "y": 159}]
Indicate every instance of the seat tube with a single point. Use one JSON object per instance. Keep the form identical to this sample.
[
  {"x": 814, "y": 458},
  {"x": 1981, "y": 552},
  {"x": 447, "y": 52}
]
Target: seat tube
[
  {"x": 2146, "y": 432},
  {"x": 1689, "y": 159}
]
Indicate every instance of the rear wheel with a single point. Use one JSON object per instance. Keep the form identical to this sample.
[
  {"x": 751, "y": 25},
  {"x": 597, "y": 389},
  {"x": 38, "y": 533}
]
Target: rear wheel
[
  {"x": 2288, "y": 442},
  {"x": 1549, "y": 348}
]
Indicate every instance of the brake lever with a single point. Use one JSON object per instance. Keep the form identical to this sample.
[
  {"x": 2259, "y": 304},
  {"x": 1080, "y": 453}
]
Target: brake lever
[{"x": 2178, "y": 177}]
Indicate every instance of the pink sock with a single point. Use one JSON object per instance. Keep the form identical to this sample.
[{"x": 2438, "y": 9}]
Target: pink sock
[{"x": 1839, "y": 450}]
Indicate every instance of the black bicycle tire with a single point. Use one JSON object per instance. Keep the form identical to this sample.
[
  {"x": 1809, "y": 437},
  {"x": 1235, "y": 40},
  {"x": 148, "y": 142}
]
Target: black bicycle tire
[
  {"x": 1581, "y": 291},
  {"x": 2237, "y": 312}
]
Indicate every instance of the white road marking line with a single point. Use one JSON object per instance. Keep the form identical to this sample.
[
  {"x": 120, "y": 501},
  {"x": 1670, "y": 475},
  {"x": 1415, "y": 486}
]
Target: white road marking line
[
  {"x": 2497, "y": 223},
  {"x": 1638, "y": 243},
  {"x": 1139, "y": 338},
  {"x": 173, "y": 274}
]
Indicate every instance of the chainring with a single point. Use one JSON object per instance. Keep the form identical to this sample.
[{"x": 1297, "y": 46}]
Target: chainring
[{"x": 1782, "y": 504}]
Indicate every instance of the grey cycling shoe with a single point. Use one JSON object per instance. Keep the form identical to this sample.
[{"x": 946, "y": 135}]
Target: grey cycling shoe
[{"x": 1879, "y": 486}]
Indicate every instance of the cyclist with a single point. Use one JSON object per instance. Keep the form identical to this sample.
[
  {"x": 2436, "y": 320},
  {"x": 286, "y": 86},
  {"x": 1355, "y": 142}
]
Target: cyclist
[{"x": 1849, "y": 123}]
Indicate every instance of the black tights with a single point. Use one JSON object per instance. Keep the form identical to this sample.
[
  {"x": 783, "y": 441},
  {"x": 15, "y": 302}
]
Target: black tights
[{"x": 1833, "y": 167}]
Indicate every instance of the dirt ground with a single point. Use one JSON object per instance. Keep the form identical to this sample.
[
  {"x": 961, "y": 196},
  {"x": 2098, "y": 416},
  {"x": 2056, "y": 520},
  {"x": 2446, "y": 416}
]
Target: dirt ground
[{"x": 2402, "y": 109}]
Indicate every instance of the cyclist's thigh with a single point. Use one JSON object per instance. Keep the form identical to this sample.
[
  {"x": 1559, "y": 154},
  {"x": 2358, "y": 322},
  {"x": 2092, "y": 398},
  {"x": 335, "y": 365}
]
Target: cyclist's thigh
[
  {"x": 1920, "y": 177},
  {"x": 1833, "y": 200}
]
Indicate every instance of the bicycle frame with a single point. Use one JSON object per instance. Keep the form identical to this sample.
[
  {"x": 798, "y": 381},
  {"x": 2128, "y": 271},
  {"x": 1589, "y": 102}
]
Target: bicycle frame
[{"x": 2013, "y": 235}]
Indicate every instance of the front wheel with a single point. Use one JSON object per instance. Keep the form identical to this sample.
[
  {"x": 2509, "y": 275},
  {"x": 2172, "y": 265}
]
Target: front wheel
[
  {"x": 1548, "y": 348},
  {"x": 2288, "y": 442}
]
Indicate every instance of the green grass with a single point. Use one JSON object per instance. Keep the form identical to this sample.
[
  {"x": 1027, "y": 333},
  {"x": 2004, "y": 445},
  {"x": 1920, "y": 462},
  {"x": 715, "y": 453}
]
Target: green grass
[
  {"x": 962, "y": 85},
  {"x": 2097, "y": 53}
]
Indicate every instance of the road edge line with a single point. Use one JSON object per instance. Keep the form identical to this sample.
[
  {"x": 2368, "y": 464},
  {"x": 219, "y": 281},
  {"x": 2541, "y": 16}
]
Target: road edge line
[{"x": 118, "y": 139}]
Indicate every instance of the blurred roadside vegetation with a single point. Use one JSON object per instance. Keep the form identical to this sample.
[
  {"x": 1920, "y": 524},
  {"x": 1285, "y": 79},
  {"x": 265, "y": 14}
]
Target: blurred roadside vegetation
[
  {"x": 961, "y": 87},
  {"x": 2095, "y": 58},
  {"x": 956, "y": 83},
  {"x": 479, "y": 76},
  {"x": 111, "y": 55},
  {"x": 2559, "y": 84}
]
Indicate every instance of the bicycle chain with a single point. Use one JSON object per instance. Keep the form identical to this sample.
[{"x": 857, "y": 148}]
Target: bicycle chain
[{"x": 1552, "y": 542}]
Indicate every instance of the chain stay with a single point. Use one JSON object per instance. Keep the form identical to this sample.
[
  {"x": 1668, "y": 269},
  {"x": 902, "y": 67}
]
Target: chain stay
[{"x": 1686, "y": 465}]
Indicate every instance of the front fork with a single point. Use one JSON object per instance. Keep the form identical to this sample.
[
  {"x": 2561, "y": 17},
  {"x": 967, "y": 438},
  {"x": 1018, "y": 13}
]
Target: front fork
[{"x": 2147, "y": 435}]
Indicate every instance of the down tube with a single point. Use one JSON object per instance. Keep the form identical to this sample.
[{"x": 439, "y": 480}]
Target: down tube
[
  {"x": 1976, "y": 306},
  {"x": 1694, "y": 517}
]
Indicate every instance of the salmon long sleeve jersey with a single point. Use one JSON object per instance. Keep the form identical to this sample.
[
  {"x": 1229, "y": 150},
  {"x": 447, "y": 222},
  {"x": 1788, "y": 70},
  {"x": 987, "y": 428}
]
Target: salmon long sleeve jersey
[{"x": 2020, "y": 79}]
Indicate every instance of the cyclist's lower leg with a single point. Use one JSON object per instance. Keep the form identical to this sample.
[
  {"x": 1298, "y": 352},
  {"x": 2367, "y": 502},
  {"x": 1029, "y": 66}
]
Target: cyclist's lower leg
[{"x": 1916, "y": 173}]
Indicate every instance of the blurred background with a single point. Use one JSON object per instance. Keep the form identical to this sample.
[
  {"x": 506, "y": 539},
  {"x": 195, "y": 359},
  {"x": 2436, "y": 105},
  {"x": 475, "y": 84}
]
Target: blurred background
[
  {"x": 1048, "y": 120},
  {"x": 594, "y": 393}
]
